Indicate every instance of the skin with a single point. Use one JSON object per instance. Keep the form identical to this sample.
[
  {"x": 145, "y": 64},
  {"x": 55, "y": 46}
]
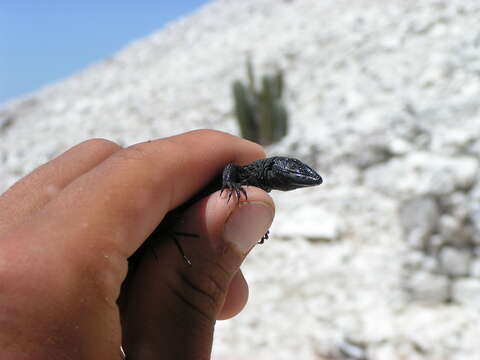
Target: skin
[{"x": 68, "y": 228}]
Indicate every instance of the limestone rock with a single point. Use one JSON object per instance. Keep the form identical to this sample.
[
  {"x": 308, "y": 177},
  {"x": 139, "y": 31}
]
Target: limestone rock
[
  {"x": 467, "y": 291},
  {"x": 423, "y": 173},
  {"x": 309, "y": 221},
  {"x": 454, "y": 231},
  {"x": 475, "y": 268},
  {"x": 428, "y": 288},
  {"x": 455, "y": 262},
  {"x": 419, "y": 219}
]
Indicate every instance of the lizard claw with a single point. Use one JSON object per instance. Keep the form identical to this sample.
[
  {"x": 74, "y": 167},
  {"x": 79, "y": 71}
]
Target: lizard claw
[
  {"x": 264, "y": 237},
  {"x": 234, "y": 188}
]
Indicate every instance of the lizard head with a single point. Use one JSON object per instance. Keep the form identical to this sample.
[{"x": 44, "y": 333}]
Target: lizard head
[{"x": 286, "y": 173}]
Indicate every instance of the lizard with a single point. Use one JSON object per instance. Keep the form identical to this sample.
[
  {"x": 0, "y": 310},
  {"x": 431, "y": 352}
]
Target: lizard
[{"x": 273, "y": 173}]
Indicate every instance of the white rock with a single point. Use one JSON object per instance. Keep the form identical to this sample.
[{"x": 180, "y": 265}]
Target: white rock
[
  {"x": 423, "y": 173},
  {"x": 352, "y": 351},
  {"x": 370, "y": 156},
  {"x": 455, "y": 262},
  {"x": 467, "y": 291},
  {"x": 414, "y": 259},
  {"x": 474, "y": 216},
  {"x": 430, "y": 264},
  {"x": 436, "y": 241},
  {"x": 309, "y": 221},
  {"x": 474, "y": 194},
  {"x": 382, "y": 352},
  {"x": 475, "y": 268},
  {"x": 417, "y": 239},
  {"x": 399, "y": 146},
  {"x": 453, "y": 231},
  {"x": 456, "y": 139},
  {"x": 419, "y": 218},
  {"x": 426, "y": 287},
  {"x": 456, "y": 205}
]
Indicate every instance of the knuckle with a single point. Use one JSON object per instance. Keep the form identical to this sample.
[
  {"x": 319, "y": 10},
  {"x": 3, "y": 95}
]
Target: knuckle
[
  {"x": 101, "y": 144},
  {"x": 134, "y": 152},
  {"x": 209, "y": 133},
  {"x": 214, "y": 136},
  {"x": 259, "y": 149},
  {"x": 145, "y": 151},
  {"x": 137, "y": 158},
  {"x": 101, "y": 274}
]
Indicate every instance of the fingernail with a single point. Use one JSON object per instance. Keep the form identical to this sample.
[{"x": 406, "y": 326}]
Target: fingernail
[{"x": 247, "y": 224}]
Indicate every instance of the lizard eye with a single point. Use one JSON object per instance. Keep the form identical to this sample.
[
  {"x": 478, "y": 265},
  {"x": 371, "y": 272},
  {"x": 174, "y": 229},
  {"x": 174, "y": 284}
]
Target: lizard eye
[
  {"x": 294, "y": 166},
  {"x": 289, "y": 165}
]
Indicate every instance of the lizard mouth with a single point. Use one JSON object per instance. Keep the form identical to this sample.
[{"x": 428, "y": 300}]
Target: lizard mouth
[{"x": 306, "y": 177}]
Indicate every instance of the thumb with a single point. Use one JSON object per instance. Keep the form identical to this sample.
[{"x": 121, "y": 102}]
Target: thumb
[{"x": 172, "y": 307}]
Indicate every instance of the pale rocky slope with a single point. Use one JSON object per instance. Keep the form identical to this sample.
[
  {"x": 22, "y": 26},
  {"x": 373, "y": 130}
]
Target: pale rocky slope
[{"x": 383, "y": 260}]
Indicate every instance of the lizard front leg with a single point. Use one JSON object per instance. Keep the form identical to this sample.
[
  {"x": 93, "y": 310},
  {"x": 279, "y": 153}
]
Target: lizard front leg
[{"x": 231, "y": 181}]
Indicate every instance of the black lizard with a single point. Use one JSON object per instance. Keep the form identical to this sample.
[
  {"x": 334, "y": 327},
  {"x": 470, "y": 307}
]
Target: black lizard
[{"x": 274, "y": 173}]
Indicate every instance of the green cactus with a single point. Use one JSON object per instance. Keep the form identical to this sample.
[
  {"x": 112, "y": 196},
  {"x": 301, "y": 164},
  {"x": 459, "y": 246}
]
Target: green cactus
[
  {"x": 244, "y": 112},
  {"x": 261, "y": 115}
]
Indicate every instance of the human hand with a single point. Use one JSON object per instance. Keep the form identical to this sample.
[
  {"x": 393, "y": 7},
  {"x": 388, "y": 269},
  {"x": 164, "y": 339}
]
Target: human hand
[{"x": 68, "y": 228}]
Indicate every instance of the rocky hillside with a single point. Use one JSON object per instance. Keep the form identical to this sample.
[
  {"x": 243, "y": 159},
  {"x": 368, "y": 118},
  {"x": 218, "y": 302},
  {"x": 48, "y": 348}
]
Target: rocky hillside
[{"x": 382, "y": 261}]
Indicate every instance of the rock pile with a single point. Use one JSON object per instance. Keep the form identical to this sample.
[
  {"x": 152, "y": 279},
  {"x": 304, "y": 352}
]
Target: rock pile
[{"x": 439, "y": 213}]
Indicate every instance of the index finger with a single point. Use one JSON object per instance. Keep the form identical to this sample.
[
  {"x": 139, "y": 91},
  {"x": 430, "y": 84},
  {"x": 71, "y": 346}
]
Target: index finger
[{"x": 114, "y": 207}]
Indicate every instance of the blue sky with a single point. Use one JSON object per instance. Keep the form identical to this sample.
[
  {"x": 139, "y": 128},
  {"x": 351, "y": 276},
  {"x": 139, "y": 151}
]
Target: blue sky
[{"x": 45, "y": 41}]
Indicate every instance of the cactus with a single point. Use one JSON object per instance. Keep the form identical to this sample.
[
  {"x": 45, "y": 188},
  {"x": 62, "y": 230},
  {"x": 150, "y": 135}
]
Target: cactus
[
  {"x": 261, "y": 114},
  {"x": 244, "y": 112}
]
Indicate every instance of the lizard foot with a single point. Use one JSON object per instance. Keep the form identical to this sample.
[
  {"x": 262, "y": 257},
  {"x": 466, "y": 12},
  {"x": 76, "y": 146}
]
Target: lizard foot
[
  {"x": 264, "y": 237},
  {"x": 234, "y": 188}
]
